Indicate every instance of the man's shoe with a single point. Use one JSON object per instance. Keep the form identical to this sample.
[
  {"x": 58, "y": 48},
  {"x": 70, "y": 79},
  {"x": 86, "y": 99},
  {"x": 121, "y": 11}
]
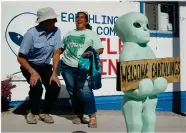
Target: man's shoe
[
  {"x": 46, "y": 118},
  {"x": 31, "y": 119}
]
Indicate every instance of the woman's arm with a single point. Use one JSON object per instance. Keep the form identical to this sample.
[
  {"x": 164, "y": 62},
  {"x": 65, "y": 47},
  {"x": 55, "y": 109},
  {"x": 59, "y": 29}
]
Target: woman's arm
[
  {"x": 61, "y": 50},
  {"x": 100, "y": 51}
]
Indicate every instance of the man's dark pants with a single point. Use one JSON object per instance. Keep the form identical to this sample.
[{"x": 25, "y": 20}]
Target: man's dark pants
[{"x": 35, "y": 93}]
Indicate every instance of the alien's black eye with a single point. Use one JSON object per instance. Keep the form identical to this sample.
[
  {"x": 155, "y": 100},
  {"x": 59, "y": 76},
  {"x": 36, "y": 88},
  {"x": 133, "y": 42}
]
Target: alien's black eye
[
  {"x": 147, "y": 26},
  {"x": 137, "y": 25}
]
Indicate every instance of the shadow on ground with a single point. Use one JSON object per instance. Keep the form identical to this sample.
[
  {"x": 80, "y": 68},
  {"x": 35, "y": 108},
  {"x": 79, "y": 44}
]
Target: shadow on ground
[
  {"x": 78, "y": 132},
  {"x": 61, "y": 108}
]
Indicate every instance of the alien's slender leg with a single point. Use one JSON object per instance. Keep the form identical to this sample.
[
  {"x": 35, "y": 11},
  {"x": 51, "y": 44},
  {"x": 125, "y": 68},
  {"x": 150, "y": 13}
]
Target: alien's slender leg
[
  {"x": 132, "y": 110},
  {"x": 149, "y": 114}
]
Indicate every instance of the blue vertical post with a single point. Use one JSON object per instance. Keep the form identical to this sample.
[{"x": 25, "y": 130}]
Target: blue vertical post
[{"x": 142, "y": 7}]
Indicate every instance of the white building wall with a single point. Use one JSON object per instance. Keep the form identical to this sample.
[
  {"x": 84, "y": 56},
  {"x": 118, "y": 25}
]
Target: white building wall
[{"x": 163, "y": 47}]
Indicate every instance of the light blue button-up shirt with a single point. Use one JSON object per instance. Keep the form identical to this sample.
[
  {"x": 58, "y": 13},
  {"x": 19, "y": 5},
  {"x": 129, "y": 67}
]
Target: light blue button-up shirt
[{"x": 39, "y": 45}]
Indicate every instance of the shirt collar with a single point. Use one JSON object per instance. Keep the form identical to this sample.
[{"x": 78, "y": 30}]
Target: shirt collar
[{"x": 42, "y": 32}]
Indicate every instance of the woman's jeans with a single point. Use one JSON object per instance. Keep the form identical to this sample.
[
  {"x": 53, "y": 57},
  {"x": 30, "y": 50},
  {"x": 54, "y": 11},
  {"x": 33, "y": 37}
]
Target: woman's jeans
[{"x": 82, "y": 98}]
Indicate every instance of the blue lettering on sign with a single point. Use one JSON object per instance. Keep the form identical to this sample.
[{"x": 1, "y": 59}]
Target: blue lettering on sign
[
  {"x": 63, "y": 16},
  {"x": 103, "y": 19},
  {"x": 104, "y": 22},
  {"x": 99, "y": 30},
  {"x": 91, "y": 18},
  {"x": 71, "y": 17},
  {"x": 110, "y": 19},
  {"x": 105, "y": 31},
  {"x": 96, "y": 21},
  {"x": 115, "y": 18}
]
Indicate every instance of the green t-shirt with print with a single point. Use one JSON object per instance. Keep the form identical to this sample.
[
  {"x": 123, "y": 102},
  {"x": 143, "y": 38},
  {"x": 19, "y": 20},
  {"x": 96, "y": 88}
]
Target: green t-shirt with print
[{"x": 76, "y": 42}]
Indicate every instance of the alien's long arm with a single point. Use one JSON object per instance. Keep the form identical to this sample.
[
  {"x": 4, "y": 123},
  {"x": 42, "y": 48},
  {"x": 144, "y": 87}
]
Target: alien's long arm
[{"x": 129, "y": 53}]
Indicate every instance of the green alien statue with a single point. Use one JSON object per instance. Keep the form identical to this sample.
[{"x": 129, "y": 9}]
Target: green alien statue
[{"x": 139, "y": 105}]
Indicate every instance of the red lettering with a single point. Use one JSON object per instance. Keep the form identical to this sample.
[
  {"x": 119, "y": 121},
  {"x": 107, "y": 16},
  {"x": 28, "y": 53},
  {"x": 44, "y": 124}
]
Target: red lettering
[
  {"x": 108, "y": 47},
  {"x": 112, "y": 67},
  {"x": 103, "y": 39},
  {"x": 103, "y": 60}
]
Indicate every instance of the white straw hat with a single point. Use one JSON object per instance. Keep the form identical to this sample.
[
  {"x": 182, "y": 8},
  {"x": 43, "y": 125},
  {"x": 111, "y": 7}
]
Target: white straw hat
[{"x": 45, "y": 14}]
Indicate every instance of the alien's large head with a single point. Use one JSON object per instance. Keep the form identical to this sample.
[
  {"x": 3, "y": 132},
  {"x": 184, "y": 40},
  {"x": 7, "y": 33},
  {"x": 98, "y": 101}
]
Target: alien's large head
[{"x": 133, "y": 27}]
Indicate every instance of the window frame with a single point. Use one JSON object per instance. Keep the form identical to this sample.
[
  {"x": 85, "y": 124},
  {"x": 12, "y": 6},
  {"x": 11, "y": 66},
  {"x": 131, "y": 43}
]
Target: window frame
[{"x": 158, "y": 33}]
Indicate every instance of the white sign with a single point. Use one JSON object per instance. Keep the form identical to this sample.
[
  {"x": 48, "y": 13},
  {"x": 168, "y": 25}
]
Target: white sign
[{"x": 18, "y": 17}]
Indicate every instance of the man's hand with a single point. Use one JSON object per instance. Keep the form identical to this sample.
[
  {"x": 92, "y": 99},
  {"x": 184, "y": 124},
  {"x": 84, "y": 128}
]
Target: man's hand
[
  {"x": 34, "y": 78},
  {"x": 86, "y": 55},
  {"x": 55, "y": 78}
]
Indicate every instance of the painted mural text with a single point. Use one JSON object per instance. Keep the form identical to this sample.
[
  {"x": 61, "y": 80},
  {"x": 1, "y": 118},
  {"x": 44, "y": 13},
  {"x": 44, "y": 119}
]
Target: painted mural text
[
  {"x": 99, "y": 20},
  {"x": 109, "y": 66}
]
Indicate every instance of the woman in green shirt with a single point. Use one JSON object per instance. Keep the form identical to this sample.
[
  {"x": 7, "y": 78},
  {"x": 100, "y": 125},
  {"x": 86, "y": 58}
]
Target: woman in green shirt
[{"x": 74, "y": 44}]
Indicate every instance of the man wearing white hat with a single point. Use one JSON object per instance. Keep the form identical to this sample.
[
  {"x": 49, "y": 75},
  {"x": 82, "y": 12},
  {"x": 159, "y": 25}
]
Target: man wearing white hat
[{"x": 38, "y": 46}]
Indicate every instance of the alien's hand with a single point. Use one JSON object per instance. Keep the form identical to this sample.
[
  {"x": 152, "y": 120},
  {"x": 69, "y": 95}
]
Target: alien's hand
[
  {"x": 160, "y": 85},
  {"x": 145, "y": 89}
]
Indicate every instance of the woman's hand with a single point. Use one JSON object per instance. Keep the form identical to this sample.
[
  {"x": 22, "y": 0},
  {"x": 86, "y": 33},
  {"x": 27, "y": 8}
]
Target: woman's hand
[{"x": 86, "y": 55}]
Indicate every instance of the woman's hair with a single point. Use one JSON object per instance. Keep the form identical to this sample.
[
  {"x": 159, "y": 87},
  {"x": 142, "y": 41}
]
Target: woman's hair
[{"x": 88, "y": 26}]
